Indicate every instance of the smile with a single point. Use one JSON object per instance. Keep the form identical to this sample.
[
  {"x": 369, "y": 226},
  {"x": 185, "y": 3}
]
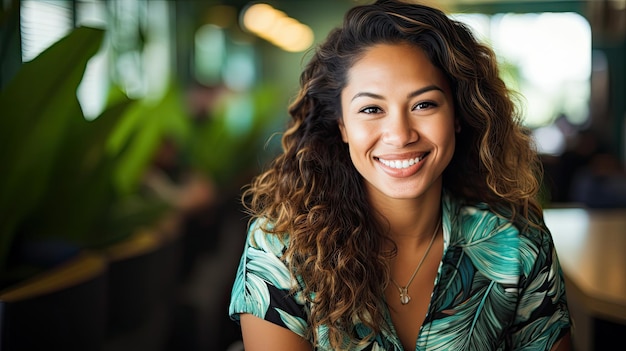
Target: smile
[{"x": 401, "y": 164}]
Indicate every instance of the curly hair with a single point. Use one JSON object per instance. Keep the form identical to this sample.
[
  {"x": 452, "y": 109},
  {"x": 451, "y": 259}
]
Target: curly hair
[{"x": 313, "y": 192}]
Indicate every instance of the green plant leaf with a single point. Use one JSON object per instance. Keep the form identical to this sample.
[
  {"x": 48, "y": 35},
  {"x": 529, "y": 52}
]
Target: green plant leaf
[
  {"x": 141, "y": 133},
  {"x": 37, "y": 107},
  {"x": 83, "y": 188}
]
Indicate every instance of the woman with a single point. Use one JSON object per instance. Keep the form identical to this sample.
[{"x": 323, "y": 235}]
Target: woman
[{"x": 402, "y": 212}]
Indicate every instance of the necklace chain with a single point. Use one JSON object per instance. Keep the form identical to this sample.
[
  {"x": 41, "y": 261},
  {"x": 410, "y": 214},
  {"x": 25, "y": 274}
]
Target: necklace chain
[{"x": 404, "y": 291}]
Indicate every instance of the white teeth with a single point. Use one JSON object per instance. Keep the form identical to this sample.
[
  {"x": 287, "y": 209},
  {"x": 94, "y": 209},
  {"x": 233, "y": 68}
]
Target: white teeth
[{"x": 400, "y": 164}]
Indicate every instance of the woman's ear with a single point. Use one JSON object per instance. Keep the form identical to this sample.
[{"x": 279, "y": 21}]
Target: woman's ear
[{"x": 457, "y": 125}]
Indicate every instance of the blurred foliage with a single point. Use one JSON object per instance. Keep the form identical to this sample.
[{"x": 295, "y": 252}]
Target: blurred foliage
[
  {"x": 140, "y": 133},
  {"x": 228, "y": 145},
  {"x": 68, "y": 183},
  {"x": 65, "y": 181}
]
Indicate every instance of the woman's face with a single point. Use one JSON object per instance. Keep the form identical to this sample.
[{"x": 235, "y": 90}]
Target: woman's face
[{"x": 398, "y": 121}]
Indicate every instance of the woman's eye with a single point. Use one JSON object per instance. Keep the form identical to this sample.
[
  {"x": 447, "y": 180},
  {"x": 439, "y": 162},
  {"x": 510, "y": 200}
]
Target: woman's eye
[
  {"x": 370, "y": 110},
  {"x": 424, "y": 105}
]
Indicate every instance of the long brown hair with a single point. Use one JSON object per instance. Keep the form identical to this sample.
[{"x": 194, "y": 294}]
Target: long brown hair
[{"x": 313, "y": 192}]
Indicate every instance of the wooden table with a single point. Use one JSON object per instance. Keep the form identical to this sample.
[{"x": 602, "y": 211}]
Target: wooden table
[{"x": 591, "y": 244}]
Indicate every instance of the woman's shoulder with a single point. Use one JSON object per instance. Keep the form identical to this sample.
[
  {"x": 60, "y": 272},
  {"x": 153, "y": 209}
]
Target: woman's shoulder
[
  {"x": 472, "y": 217},
  {"x": 478, "y": 225},
  {"x": 262, "y": 237},
  {"x": 495, "y": 245}
]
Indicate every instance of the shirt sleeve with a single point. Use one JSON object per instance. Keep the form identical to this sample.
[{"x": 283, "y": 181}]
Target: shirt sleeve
[
  {"x": 542, "y": 315},
  {"x": 263, "y": 284}
]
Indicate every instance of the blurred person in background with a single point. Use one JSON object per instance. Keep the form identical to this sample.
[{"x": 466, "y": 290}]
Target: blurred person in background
[{"x": 402, "y": 213}]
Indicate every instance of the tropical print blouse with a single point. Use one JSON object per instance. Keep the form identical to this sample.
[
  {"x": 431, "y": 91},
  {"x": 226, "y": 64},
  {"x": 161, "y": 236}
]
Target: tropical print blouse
[{"x": 496, "y": 288}]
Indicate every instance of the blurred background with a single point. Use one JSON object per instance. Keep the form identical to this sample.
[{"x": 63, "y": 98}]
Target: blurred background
[{"x": 128, "y": 127}]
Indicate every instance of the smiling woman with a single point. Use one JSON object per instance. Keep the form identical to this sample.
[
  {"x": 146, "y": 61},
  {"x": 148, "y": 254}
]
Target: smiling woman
[
  {"x": 402, "y": 213},
  {"x": 398, "y": 116}
]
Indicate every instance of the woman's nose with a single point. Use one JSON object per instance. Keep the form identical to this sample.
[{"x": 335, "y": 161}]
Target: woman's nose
[{"x": 399, "y": 131}]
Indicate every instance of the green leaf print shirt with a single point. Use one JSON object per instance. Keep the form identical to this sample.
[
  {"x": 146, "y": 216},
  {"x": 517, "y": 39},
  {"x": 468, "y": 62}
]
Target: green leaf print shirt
[{"x": 496, "y": 288}]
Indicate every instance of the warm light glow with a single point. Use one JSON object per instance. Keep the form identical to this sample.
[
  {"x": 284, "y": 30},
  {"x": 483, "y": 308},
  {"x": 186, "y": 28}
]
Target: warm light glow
[
  {"x": 259, "y": 18},
  {"x": 277, "y": 28}
]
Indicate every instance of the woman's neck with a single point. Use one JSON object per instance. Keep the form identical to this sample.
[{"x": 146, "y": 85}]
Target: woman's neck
[{"x": 412, "y": 220}]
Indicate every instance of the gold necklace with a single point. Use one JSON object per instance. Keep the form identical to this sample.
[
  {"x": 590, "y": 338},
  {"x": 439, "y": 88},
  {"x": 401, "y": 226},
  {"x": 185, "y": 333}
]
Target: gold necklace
[{"x": 404, "y": 291}]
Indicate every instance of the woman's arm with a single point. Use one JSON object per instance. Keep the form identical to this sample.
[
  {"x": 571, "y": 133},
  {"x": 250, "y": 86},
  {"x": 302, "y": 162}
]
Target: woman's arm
[
  {"x": 259, "y": 335},
  {"x": 564, "y": 344}
]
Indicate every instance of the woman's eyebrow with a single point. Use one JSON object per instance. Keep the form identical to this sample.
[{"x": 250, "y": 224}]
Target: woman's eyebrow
[
  {"x": 366, "y": 94},
  {"x": 424, "y": 90},
  {"x": 410, "y": 95}
]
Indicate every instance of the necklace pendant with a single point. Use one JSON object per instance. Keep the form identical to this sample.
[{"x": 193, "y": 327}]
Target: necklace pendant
[{"x": 404, "y": 296}]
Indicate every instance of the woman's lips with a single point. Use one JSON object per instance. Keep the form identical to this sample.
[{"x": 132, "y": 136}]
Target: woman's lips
[
  {"x": 400, "y": 163},
  {"x": 397, "y": 166}
]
